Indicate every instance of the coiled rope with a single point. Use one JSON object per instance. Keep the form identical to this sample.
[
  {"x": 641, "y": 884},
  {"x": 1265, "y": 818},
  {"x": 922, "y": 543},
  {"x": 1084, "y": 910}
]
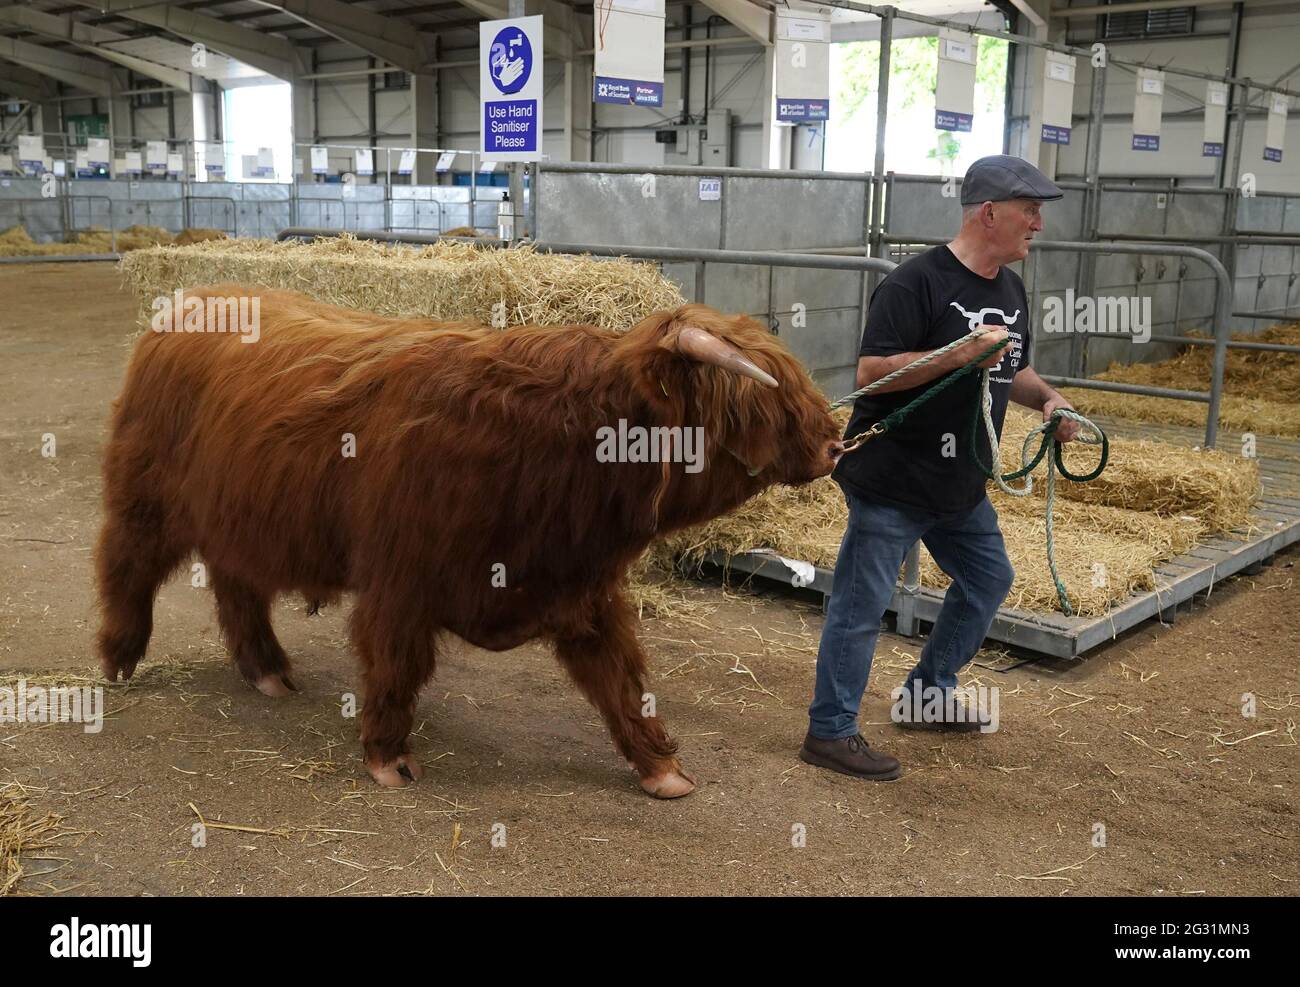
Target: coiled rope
[{"x": 1090, "y": 434}]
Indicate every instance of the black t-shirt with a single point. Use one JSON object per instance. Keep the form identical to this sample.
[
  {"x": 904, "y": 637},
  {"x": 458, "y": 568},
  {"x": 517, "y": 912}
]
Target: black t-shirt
[{"x": 925, "y": 463}]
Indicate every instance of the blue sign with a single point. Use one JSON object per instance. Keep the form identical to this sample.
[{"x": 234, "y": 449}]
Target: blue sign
[
  {"x": 629, "y": 92},
  {"x": 1211, "y": 149},
  {"x": 510, "y": 60},
  {"x": 1146, "y": 142},
  {"x": 1055, "y": 135},
  {"x": 1272, "y": 154},
  {"x": 802, "y": 110},
  {"x": 510, "y": 126},
  {"x": 945, "y": 120}
]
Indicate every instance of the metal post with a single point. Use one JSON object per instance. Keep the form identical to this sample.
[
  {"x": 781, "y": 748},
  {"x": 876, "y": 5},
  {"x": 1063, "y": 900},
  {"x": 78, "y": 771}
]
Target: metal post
[
  {"x": 1232, "y": 205},
  {"x": 515, "y": 8},
  {"x": 905, "y": 615},
  {"x": 882, "y": 118},
  {"x": 1091, "y": 209}
]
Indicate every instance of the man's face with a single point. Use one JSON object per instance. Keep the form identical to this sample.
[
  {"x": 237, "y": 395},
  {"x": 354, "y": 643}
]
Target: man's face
[{"x": 1012, "y": 225}]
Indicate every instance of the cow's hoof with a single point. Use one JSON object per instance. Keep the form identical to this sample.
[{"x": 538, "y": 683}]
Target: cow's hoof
[
  {"x": 669, "y": 785},
  {"x": 397, "y": 773},
  {"x": 274, "y": 685}
]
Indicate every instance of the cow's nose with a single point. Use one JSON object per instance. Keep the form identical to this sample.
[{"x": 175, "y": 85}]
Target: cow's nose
[{"x": 836, "y": 450}]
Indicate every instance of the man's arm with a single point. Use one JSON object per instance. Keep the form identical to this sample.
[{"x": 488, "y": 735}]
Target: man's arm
[
  {"x": 872, "y": 368},
  {"x": 1031, "y": 391}
]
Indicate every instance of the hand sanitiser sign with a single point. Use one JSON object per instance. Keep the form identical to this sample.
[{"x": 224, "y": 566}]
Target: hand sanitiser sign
[{"x": 510, "y": 88}]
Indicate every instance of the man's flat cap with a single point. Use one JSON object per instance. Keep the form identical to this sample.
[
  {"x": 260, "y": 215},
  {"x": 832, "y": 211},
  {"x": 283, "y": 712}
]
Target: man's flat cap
[{"x": 999, "y": 177}]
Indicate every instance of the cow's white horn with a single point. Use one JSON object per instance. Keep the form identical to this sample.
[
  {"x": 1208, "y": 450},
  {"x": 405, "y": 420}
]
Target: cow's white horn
[{"x": 704, "y": 347}]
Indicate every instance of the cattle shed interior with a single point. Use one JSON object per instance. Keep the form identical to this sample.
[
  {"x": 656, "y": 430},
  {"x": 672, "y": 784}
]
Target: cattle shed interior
[{"x": 763, "y": 158}]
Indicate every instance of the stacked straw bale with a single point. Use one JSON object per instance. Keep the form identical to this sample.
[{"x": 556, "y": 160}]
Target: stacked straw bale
[
  {"x": 1261, "y": 388},
  {"x": 445, "y": 281},
  {"x": 15, "y": 241}
]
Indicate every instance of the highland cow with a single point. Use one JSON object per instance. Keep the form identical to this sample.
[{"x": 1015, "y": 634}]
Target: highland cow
[{"x": 445, "y": 475}]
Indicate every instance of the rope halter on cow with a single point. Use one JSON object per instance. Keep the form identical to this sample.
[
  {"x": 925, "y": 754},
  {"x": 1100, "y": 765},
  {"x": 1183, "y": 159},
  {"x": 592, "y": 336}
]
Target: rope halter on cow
[{"x": 1090, "y": 434}]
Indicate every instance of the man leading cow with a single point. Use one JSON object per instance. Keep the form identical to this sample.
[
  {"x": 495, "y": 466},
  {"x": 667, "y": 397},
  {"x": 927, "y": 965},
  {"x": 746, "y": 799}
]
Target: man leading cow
[{"x": 920, "y": 481}]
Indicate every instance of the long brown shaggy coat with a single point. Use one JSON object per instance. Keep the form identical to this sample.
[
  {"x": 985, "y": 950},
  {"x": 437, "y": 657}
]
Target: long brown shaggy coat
[{"x": 474, "y": 465}]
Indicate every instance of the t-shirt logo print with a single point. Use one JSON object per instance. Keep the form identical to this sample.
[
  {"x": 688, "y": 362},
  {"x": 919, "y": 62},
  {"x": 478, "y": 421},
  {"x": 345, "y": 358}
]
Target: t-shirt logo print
[{"x": 976, "y": 319}]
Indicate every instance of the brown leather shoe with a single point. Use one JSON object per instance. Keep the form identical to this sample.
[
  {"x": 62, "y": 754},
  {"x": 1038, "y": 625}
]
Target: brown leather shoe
[{"x": 850, "y": 756}]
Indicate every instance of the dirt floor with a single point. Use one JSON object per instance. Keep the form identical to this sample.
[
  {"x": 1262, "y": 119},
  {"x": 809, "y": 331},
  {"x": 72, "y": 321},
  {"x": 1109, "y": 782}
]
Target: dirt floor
[{"x": 1145, "y": 737}]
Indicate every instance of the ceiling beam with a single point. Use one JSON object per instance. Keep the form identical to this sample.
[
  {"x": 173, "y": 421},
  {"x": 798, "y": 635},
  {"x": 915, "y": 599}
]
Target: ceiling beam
[
  {"x": 754, "y": 20},
  {"x": 393, "y": 39},
  {"x": 89, "y": 38},
  {"x": 89, "y": 74},
  {"x": 17, "y": 82},
  {"x": 274, "y": 56}
]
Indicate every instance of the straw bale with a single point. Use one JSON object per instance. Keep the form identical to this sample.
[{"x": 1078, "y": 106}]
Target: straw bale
[{"x": 447, "y": 281}]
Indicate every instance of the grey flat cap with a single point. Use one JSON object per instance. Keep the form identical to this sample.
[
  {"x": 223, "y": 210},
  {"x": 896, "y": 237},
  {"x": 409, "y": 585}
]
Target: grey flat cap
[{"x": 1003, "y": 176}]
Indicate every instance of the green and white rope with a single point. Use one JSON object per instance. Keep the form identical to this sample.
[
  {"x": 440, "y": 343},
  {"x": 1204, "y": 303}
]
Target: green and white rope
[{"x": 917, "y": 364}]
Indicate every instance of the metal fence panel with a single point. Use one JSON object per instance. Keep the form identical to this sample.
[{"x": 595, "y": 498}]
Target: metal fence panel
[
  {"x": 815, "y": 289},
  {"x": 784, "y": 213},
  {"x": 737, "y": 288},
  {"x": 615, "y": 209}
]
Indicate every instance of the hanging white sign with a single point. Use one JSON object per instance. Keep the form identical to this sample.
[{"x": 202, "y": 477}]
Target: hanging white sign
[
  {"x": 31, "y": 151},
  {"x": 510, "y": 89},
  {"x": 1275, "y": 131},
  {"x": 97, "y": 152},
  {"x": 175, "y": 163},
  {"x": 629, "y": 60},
  {"x": 406, "y": 163},
  {"x": 264, "y": 166},
  {"x": 445, "y": 161},
  {"x": 155, "y": 154},
  {"x": 320, "y": 161},
  {"x": 1216, "y": 115},
  {"x": 954, "y": 90},
  {"x": 802, "y": 66},
  {"x": 1147, "y": 105},
  {"x": 1058, "y": 97},
  {"x": 134, "y": 162},
  {"x": 363, "y": 161}
]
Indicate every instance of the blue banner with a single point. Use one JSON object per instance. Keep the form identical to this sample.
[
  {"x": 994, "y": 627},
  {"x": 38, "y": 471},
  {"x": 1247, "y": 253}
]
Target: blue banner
[
  {"x": 1272, "y": 154},
  {"x": 1146, "y": 142},
  {"x": 945, "y": 120},
  {"x": 1056, "y": 135},
  {"x": 629, "y": 92},
  {"x": 510, "y": 126},
  {"x": 1211, "y": 149},
  {"x": 802, "y": 110}
]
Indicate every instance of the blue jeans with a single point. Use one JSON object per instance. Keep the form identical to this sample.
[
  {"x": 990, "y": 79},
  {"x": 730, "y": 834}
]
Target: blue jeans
[{"x": 969, "y": 548}]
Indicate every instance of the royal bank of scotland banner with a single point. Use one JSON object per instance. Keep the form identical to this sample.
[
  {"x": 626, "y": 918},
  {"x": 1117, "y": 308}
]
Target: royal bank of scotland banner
[
  {"x": 954, "y": 89},
  {"x": 802, "y": 65},
  {"x": 629, "y": 43}
]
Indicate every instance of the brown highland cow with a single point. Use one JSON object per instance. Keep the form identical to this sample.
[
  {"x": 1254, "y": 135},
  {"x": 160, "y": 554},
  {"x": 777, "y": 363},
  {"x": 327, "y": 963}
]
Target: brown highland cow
[{"x": 446, "y": 475}]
